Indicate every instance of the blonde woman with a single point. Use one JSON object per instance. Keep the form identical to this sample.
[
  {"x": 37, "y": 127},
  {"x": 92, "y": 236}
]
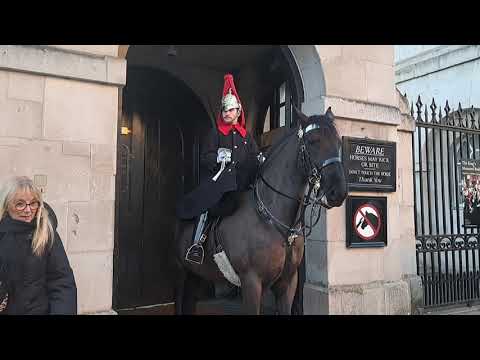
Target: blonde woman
[{"x": 35, "y": 274}]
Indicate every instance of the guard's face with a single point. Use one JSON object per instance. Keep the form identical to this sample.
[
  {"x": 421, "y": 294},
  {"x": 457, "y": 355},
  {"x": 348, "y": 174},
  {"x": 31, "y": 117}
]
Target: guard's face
[
  {"x": 23, "y": 206},
  {"x": 230, "y": 116}
]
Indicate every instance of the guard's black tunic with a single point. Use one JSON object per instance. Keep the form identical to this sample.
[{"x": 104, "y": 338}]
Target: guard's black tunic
[{"x": 237, "y": 176}]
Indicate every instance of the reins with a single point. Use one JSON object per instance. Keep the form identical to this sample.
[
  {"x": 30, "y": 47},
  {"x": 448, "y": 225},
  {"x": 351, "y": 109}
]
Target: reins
[{"x": 312, "y": 171}]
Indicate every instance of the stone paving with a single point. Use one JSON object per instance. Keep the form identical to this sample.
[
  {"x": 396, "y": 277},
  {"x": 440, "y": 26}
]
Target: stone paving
[{"x": 465, "y": 310}]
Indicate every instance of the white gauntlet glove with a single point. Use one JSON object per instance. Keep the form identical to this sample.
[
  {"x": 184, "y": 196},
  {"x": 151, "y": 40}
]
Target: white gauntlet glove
[{"x": 224, "y": 154}]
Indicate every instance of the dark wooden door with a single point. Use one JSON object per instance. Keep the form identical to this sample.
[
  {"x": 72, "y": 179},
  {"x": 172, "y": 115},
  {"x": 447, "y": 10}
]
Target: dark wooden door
[{"x": 157, "y": 161}]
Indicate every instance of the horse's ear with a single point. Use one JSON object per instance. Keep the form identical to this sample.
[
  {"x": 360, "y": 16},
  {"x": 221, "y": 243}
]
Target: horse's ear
[
  {"x": 329, "y": 114},
  {"x": 303, "y": 118}
]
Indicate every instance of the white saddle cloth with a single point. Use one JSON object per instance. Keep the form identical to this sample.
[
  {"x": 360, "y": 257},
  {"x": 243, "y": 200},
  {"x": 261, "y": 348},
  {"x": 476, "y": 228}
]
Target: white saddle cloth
[{"x": 226, "y": 268}]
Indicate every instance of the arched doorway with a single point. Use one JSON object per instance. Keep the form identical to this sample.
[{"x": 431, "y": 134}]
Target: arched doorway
[
  {"x": 155, "y": 163},
  {"x": 171, "y": 97}
]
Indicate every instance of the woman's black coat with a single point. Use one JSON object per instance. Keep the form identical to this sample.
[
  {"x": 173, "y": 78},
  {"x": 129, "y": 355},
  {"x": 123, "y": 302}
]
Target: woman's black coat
[{"x": 36, "y": 285}]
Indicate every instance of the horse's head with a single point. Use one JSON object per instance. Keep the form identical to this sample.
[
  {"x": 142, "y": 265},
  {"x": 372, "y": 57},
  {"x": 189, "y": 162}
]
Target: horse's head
[{"x": 321, "y": 156}]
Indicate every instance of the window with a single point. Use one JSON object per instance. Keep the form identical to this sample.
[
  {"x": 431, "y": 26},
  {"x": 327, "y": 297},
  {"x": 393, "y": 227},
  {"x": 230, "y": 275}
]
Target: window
[
  {"x": 266, "y": 124},
  {"x": 278, "y": 112},
  {"x": 281, "y": 95}
]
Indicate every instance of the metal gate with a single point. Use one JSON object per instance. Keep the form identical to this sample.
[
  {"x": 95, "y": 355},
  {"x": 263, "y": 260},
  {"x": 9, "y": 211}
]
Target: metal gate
[{"x": 447, "y": 250}]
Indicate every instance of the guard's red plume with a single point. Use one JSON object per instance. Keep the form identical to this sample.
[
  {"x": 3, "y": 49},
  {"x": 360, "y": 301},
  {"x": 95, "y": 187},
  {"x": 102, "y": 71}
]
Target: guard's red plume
[{"x": 221, "y": 125}]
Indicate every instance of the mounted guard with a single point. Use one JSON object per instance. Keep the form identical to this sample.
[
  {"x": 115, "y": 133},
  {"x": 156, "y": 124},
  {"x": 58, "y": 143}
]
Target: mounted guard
[
  {"x": 229, "y": 161},
  {"x": 260, "y": 246}
]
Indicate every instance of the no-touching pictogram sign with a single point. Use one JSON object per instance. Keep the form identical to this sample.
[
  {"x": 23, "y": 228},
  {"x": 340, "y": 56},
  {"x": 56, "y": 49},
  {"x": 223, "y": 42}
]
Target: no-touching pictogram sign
[{"x": 366, "y": 221}]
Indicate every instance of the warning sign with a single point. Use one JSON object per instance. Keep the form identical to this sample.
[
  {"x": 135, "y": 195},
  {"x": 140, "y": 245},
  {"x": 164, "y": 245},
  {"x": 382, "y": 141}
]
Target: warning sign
[{"x": 367, "y": 224}]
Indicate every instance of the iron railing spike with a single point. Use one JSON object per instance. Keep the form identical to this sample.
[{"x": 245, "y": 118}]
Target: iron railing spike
[
  {"x": 447, "y": 113},
  {"x": 433, "y": 107},
  {"x": 419, "y": 109}
]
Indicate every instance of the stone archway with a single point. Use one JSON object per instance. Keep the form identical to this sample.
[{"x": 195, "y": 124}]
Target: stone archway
[{"x": 308, "y": 77}]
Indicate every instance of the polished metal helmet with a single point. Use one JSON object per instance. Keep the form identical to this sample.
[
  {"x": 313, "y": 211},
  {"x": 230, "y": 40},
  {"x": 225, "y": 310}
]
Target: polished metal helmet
[{"x": 230, "y": 101}]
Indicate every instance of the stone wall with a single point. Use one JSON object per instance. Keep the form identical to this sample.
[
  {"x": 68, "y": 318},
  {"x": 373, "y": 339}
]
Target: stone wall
[
  {"x": 359, "y": 72},
  {"x": 59, "y": 127},
  {"x": 359, "y": 86},
  {"x": 105, "y": 50}
]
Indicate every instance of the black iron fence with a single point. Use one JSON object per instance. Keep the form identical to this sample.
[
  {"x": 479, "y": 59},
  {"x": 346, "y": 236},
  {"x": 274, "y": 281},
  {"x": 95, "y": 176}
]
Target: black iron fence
[{"x": 447, "y": 249}]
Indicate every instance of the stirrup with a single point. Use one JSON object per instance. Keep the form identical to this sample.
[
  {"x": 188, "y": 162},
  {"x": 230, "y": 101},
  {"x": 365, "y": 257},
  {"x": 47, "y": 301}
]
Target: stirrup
[{"x": 195, "y": 254}]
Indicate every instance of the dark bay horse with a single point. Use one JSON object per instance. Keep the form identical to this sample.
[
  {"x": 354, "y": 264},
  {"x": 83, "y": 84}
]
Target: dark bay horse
[{"x": 263, "y": 239}]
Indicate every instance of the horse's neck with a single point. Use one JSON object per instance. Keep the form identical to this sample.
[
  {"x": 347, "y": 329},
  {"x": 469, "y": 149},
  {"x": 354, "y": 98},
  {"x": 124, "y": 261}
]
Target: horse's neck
[{"x": 284, "y": 175}]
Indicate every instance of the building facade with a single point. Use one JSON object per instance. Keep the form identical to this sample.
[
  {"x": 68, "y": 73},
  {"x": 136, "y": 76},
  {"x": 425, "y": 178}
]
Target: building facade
[
  {"x": 442, "y": 72},
  {"x": 95, "y": 125}
]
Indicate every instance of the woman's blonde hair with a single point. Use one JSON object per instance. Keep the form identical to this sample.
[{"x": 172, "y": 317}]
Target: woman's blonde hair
[{"x": 44, "y": 234}]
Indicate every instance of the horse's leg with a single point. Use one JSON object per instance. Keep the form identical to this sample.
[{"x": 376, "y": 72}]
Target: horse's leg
[
  {"x": 189, "y": 295},
  {"x": 284, "y": 296},
  {"x": 251, "y": 294},
  {"x": 180, "y": 290},
  {"x": 297, "y": 305},
  {"x": 184, "y": 293}
]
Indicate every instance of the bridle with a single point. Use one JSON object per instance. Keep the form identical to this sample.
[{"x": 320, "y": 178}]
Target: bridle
[{"x": 313, "y": 172}]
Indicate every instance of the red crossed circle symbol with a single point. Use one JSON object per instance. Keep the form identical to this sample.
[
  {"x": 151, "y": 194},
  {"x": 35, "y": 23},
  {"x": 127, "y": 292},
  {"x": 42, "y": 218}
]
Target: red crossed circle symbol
[{"x": 360, "y": 214}]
